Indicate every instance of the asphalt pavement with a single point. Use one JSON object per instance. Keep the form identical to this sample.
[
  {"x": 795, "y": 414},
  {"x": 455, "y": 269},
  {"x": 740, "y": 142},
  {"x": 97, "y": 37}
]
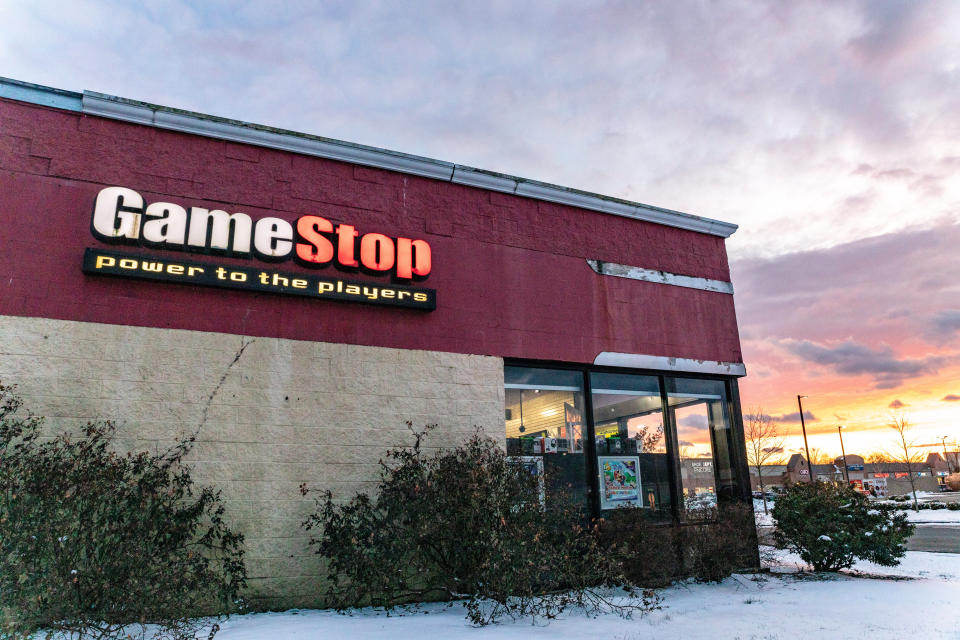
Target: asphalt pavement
[
  {"x": 931, "y": 537},
  {"x": 927, "y": 537}
]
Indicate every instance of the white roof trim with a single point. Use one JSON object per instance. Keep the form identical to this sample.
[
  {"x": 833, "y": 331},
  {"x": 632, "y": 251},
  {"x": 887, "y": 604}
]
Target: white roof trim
[
  {"x": 109, "y": 107},
  {"x": 106, "y": 106},
  {"x": 664, "y": 363}
]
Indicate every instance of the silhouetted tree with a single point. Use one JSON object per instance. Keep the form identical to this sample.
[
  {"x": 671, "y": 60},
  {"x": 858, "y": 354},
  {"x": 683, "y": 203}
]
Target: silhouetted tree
[
  {"x": 904, "y": 453},
  {"x": 764, "y": 443}
]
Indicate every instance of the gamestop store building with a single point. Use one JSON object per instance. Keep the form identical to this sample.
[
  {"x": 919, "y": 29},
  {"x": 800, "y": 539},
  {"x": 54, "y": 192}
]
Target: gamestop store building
[{"x": 300, "y": 299}]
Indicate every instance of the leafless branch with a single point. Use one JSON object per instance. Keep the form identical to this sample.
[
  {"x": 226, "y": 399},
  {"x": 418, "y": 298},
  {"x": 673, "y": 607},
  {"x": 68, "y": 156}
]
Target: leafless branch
[
  {"x": 904, "y": 454},
  {"x": 764, "y": 443}
]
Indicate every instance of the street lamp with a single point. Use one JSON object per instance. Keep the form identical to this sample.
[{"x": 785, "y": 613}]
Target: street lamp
[
  {"x": 803, "y": 426},
  {"x": 846, "y": 471},
  {"x": 946, "y": 458}
]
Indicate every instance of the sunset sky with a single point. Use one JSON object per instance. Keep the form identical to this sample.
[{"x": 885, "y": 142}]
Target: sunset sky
[{"x": 829, "y": 131}]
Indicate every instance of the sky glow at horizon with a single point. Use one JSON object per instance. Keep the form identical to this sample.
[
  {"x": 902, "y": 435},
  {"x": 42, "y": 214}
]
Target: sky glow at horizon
[{"x": 828, "y": 131}]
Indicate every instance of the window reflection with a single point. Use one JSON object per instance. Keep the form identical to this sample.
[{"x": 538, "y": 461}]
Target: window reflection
[
  {"x": 631, "y": 446},
  {"x": 698, "y": 409}
]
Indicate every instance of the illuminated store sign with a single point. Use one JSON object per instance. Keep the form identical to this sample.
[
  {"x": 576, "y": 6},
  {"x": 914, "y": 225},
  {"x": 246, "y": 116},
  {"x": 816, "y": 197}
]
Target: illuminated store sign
[
  {"x": 120, "y": 215},
  {"x": 308, "y": 285}
]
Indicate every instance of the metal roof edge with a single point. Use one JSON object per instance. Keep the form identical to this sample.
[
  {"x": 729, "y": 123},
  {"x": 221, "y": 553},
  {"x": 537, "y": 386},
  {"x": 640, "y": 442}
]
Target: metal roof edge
[
  {"x": 113, "y": 107},
  {"x": 666, "y": 363},
  {"x": 40, "y": 94},
  {"x": 99, "y": 104}
]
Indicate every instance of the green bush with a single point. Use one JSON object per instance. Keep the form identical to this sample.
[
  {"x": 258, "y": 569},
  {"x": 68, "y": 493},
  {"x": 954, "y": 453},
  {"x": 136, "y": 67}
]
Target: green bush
[
  {"x": 101, "y": 544},
  {"x": 953, "y": 506},
  {"x": 465, "y": 523},
  {"x": 831, "y": 526}
]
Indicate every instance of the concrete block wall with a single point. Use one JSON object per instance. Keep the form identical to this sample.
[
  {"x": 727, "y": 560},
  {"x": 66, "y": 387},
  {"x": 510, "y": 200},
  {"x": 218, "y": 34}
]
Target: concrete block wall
[{"x": 283, "y": 412}]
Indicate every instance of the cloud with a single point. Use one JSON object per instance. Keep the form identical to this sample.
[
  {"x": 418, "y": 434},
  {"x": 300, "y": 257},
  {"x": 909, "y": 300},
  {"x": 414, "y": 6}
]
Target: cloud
[
  {"x": 685, "y": 443},
  {"x": 944, "y": 325},
  {"x": 795, "y": 417},
  {"x": 694, "y": 420},
  {"x": 851, "y": 358},
  {"x": 880, "y": 309},
  {"x": 773, "y": 449},
  {"x": 950, "y": 397},
  {"x": 897, "y": 404},
  {"x": 893, "y": 30},
  {"x": 896, "y": 282},
  {"x": 783, "y": 417}
]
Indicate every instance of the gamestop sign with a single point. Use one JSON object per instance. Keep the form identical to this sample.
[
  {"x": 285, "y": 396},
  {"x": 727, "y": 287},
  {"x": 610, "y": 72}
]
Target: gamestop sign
[{"x": 120, "y": 215}]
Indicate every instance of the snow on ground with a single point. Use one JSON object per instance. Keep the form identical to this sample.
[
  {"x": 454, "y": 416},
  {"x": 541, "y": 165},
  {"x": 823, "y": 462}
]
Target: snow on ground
[
  {"x": 763, "y": 519},
  {"x": 916, "y": 599},
  {"x": 945, "y": 517}
]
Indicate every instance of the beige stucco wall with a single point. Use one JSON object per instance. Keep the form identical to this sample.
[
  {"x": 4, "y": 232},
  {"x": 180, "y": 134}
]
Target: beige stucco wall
[{"x": 284, "y": 412}]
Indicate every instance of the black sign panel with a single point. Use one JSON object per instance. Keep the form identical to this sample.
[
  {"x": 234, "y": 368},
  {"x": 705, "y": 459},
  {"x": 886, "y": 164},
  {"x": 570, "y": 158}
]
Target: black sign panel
[{"x": 209, "y": 274}]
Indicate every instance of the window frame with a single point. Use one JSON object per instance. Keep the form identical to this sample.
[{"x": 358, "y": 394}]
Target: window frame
[{"x": 737, "y": 447}]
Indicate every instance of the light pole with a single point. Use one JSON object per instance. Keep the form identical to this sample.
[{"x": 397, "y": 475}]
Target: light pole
[
  {"x": 846, "y": 471},
  {"x": 946, "y": 458},
  {"x": 803, "y": 426}
]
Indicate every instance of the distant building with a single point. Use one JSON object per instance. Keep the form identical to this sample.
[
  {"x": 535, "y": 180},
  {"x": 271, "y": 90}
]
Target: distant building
[{"x": 880, "y": 478}]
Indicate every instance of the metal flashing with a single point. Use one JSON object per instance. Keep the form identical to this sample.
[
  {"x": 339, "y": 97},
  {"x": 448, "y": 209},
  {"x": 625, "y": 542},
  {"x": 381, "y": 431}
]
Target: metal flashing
[
  {"x": 660, "y": 277},
  {"x": 224, "y": 129},
  {"x": 483, "y": 179},
  {"x": 113, "y": 107},
  {"x": 39, "y": 94},
  {"x": 664, "y": 363}
]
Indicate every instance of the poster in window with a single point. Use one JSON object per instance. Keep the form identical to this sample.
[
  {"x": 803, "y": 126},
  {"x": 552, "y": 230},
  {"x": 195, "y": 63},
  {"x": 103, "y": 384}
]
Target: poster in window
[
  {"x": 534, "y": 466},
  {"x": 620, "y": 481}
]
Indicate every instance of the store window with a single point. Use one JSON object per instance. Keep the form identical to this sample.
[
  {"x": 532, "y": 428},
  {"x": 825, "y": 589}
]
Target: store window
[
  {"x": 545, "y": 427},
  {"x": 661, "y": 444},
  {"x": 698, "y": 408},
  {"x": 631, "y": 443}
]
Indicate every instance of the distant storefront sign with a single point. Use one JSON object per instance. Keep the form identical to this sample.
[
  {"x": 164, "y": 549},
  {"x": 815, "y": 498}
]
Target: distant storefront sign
[{"x": 702, "y": 466}]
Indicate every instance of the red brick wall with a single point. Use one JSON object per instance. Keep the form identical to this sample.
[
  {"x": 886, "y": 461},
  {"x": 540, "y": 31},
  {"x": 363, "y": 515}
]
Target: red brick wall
[{"x": 510, "y": 272}]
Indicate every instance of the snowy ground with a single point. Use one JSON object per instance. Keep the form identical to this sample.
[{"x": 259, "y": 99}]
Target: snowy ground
[
  {"x": 917, "y": 599},
  {"x": 945, "y": 517},
  {"x": 763, "y": 519}
]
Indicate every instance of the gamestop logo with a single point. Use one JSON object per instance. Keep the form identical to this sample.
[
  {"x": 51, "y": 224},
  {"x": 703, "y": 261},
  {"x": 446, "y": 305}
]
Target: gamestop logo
[{"x": 120, "y": 215}]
